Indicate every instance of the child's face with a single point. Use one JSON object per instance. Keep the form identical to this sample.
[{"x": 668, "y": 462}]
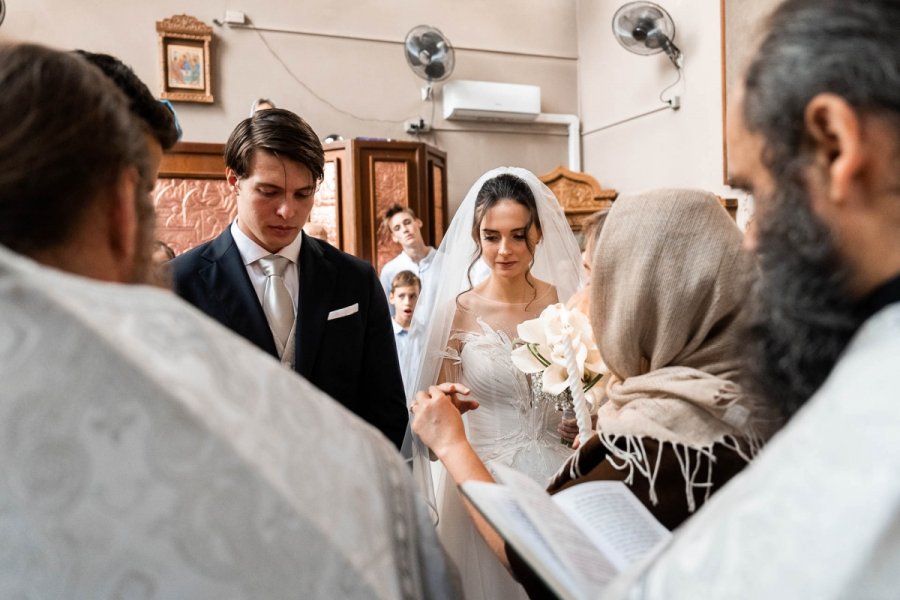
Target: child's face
[{"x": 404, "y": 299}]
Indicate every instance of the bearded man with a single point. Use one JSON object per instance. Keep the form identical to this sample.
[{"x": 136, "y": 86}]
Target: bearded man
[
  {"x": 147, "y": 451},
  {"x": 814, "y": 134}
]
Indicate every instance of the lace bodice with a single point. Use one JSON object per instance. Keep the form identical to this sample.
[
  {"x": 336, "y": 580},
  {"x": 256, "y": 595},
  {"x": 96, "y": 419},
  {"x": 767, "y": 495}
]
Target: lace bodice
[{"x": 507, "y": 427}]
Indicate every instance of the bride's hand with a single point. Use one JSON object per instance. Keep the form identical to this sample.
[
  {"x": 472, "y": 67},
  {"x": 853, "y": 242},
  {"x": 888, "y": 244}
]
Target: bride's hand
[
  {"x": 437, "y": 416},
  {"x": 463, "y": 405}
]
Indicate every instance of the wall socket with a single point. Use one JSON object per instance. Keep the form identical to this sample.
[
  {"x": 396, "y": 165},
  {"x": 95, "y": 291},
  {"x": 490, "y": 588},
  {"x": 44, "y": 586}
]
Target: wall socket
[
  {"x": 235, "y": 17},
  {"x": 417, "y": 127}
]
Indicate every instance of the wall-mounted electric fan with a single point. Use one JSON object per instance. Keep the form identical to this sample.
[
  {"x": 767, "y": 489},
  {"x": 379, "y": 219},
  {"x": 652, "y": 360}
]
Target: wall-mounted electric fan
[
  {"x": 646, "y": 28},
  {"x": 429, "y": 55}
]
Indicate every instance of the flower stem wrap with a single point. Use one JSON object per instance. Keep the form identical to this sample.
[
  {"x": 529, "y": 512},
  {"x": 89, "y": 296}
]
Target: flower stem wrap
[{"x": 582, "y": 411}]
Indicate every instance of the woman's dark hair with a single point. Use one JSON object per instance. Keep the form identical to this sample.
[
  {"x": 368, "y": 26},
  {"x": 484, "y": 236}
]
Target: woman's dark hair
[
  {"x": 495, "y": 190},
  {"x": 158, "y": 119},
  {"x": 280, "y": 132}
]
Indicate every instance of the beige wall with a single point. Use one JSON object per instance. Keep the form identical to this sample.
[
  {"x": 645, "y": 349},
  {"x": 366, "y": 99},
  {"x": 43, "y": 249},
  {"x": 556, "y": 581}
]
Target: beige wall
[
  {"x": 518, "y": 41},
  {"x": 370, "y": 80},
  {"x": 681, "y": 148},
  {"x": 672, "y": 148}
]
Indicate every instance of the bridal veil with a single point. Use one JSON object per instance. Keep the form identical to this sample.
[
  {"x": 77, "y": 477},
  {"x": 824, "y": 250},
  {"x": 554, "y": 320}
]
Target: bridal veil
[{"x": 557, "y": 260}]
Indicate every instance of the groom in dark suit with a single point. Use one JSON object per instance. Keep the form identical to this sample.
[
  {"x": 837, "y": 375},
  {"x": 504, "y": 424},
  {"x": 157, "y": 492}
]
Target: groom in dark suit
[{"x": 319, "y": 310}]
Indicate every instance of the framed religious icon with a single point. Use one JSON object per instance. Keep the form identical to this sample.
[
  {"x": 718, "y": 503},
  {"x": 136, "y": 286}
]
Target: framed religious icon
[
  {"x": 740, "y": 26},
  {"x": 184, "y": 59}
]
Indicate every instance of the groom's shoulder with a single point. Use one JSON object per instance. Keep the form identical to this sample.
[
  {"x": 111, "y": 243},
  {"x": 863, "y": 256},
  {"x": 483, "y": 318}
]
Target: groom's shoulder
[{"x": 347, "y": 263}]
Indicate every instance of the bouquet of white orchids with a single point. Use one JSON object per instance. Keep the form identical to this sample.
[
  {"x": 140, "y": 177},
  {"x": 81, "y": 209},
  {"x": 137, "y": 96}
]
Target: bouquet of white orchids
[{"x": 559, "y": 346}]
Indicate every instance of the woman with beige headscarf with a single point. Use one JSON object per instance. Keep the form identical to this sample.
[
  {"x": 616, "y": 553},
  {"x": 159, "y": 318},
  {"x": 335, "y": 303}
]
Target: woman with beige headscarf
[
  {"x": 672, "y": 281},
  {"x": 666, "y": 320}
]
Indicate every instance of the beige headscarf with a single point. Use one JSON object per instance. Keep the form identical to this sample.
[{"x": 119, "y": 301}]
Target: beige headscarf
[{"x": 671, "y": 282}]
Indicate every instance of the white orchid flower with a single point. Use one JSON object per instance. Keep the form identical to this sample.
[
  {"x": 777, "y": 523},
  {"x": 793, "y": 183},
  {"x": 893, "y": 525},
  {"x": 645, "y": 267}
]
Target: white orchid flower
[{"x": 544, "y": 349}]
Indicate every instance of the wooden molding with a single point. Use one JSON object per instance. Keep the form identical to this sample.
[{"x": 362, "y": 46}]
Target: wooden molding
[
  {"x": 194, "y": 160},
  {"x": 183, "y": 24},
  {"x": 578, "y": 193}
]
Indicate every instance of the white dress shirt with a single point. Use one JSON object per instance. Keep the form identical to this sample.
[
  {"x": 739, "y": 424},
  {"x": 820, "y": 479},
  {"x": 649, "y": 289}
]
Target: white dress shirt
[
  {"x": 401, "y": 337},
  {"x": 251, "y": 252}
]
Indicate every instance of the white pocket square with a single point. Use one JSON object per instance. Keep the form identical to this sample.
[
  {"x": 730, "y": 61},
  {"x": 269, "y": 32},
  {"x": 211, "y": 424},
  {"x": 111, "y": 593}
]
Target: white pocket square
[{"x": 343, "y": 312}]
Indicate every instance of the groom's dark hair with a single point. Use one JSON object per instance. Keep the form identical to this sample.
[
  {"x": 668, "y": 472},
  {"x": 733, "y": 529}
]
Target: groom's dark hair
[{"x": 279, "y": 132}]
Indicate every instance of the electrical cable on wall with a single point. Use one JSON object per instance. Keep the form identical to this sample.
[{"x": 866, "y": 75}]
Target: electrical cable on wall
[
  {"x": 309, "y": 89},
  {"x": 646, "y": 28},
  {"x": 678, "y": 80}
]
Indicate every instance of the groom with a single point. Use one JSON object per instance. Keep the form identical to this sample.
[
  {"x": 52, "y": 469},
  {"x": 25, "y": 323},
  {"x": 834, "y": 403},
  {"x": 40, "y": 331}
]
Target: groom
[{"x": 320, "y": 311}]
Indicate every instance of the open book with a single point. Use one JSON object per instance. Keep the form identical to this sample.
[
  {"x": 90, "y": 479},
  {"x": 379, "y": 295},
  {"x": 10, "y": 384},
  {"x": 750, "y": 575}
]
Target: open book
[{"x": 577, "y": 540}]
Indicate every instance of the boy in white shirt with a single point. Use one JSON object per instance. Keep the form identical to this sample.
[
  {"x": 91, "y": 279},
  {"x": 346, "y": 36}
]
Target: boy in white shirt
[{"x": 404, "y": 294}]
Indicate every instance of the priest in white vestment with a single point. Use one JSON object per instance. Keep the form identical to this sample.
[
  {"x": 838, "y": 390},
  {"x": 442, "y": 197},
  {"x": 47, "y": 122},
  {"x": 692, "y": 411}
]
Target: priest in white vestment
[
  {"x": 147, "y": 451},
  {"x": 815, "y": 134}
]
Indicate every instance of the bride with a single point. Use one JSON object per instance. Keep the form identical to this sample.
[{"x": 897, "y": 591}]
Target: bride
[{"x": 508, "y": 254}]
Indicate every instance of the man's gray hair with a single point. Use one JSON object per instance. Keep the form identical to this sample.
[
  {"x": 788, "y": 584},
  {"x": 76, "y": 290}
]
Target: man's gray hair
[{"x": 850, "y": 48}]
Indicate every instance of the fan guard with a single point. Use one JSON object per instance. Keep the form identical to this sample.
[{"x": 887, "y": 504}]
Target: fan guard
[
  {"x": 429, "y": 53},
  {"x": 646, "y": 28}
]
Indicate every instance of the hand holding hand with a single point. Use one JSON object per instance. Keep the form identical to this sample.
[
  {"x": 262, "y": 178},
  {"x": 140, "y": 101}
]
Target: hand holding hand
[{"x": 437, "y": 416}]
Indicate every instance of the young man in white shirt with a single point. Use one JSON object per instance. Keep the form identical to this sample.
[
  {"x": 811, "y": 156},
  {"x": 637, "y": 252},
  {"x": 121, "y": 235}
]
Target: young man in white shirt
[{"x": 406, "y": 229}]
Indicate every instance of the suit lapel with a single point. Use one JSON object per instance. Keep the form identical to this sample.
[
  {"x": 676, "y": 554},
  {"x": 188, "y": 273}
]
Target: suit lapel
[
  {"x": 226, "y": 280},
  {"x": 317, "y": 281}
]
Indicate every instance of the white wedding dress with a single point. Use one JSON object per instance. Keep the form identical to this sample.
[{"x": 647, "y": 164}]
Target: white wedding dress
[{"x": 507, "y": 428}]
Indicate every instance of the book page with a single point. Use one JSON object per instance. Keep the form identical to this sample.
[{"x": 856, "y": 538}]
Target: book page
[
  {"x": 499, "y": 507},
  {"x": 614, "y": 520},
  {"x": 568, "y": 540}
]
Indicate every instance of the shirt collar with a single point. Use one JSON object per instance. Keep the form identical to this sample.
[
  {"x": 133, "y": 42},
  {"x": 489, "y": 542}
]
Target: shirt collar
[
  {"x": 426, "y": 262},
  {"x": 398, "y": 329},
  {"x": 251, "y": 251}
]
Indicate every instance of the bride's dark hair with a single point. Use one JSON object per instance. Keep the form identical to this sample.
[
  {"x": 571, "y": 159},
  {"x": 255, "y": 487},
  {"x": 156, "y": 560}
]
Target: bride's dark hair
[{"x": 503, "y": 187}]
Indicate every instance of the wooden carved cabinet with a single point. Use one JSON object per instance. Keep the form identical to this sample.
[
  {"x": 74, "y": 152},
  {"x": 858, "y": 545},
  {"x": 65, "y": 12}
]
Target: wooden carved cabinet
[
  {"x": 193, "y": 201},
  {"x": 363, "y": 177}
]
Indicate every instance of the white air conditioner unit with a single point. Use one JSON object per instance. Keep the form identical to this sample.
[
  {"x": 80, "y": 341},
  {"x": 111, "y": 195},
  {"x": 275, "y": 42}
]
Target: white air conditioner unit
[{"x": 490, "y": 101}]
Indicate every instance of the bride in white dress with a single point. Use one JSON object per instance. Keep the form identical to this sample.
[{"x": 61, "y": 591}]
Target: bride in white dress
[{"x": 511, "y": 230}]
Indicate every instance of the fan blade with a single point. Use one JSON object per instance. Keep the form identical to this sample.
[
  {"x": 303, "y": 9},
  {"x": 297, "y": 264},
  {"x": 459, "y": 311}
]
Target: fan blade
[
  {"x": 412, "y": 52},
  {"x": 430, "y": 41}
]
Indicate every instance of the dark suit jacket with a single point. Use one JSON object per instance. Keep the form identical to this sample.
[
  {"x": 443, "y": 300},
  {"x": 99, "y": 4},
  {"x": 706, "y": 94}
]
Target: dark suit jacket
[{"x": 352, "y": 358}]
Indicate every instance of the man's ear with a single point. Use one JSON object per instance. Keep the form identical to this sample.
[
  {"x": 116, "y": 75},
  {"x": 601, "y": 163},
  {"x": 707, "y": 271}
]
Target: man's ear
[
  {"x": 231, "y": 177},
  {"x": 123, "y": 220},
  {"x": 837, "y": 131}
]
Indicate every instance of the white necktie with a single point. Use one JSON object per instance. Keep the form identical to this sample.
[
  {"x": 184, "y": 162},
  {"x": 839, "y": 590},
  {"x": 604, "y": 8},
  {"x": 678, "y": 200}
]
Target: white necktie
[{"x": 277, "y": 303}]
